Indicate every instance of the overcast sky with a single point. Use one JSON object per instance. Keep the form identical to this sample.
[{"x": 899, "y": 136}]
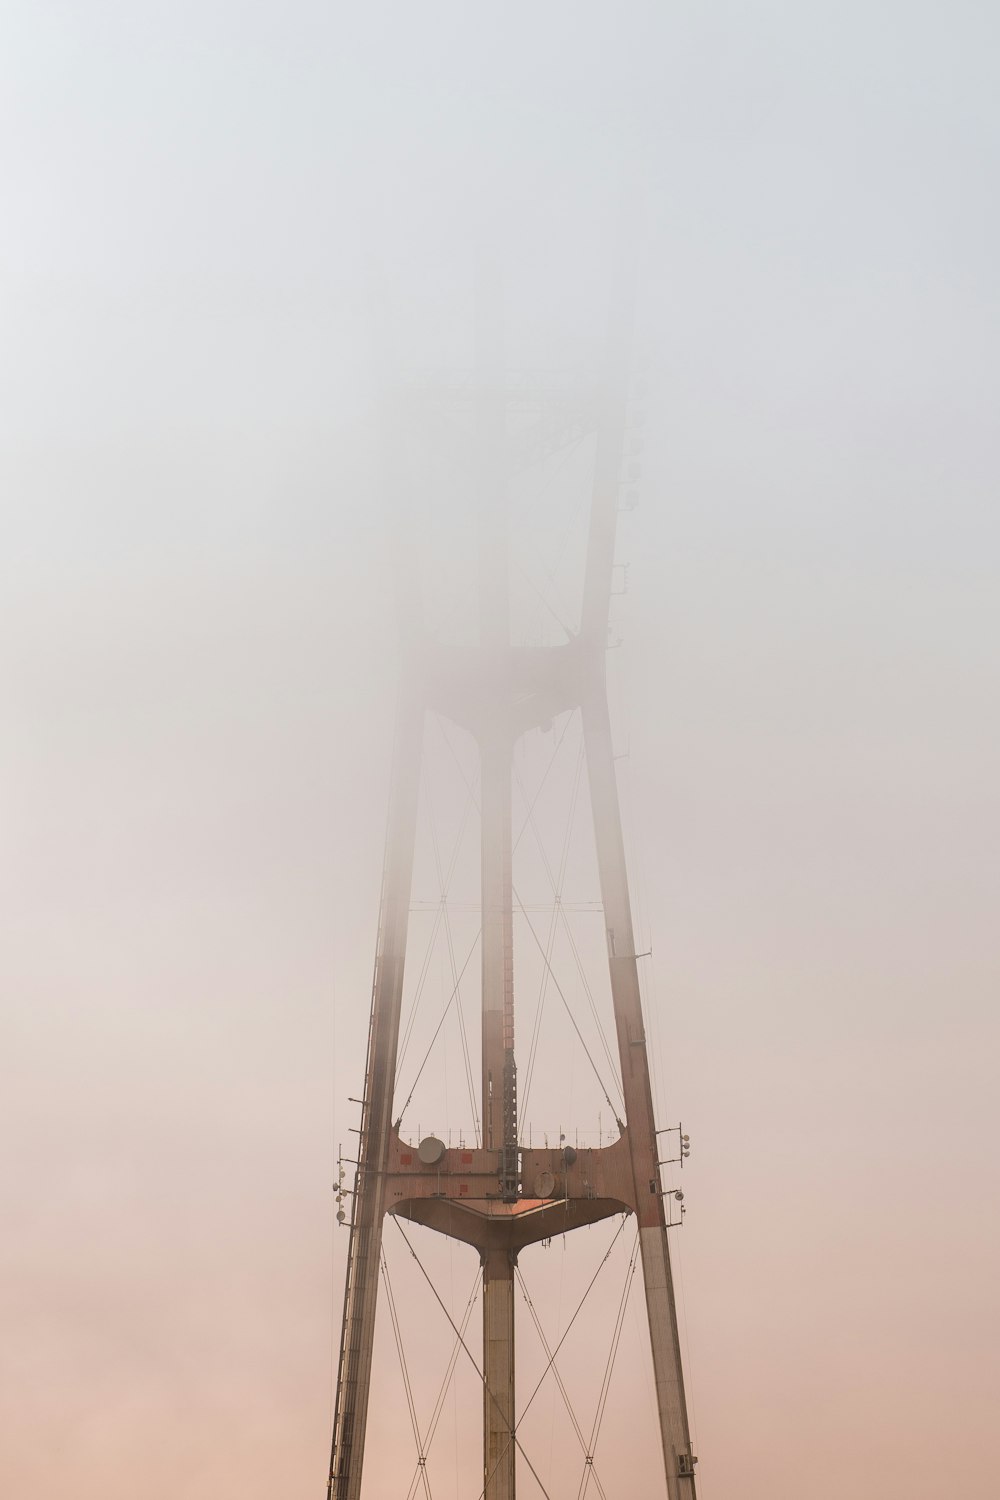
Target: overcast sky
[{"x": 225, "y": 228}]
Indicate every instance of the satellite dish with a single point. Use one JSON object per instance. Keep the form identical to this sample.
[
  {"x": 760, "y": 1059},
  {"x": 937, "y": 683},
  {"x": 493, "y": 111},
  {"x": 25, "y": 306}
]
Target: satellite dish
[{"x": 430, "y": 1150}]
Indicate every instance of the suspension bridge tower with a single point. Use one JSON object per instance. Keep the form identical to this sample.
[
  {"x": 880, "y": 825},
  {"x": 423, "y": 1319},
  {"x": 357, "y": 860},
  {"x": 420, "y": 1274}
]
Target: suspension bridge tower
[{"x": 500, "y": 1191}]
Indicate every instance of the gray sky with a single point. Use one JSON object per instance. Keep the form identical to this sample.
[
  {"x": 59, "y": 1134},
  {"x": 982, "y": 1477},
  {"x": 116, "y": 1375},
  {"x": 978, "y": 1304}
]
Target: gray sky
[{"x": 224, "y": 228}]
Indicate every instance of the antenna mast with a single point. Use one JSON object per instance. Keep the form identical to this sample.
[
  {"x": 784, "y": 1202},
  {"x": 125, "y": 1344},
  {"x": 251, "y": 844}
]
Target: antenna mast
[{"x": 499, "y": 1196}]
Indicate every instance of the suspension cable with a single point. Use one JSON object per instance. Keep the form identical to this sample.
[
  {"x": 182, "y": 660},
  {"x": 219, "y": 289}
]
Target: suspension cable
[
  {"x": 440, "y": 1023},
  {"x": 545, "y": 776},
  {"x": 560, "y": 912},
  {"x": 556, "y": 1375},
  {"x": 602, "y": 1400},
  {"x": 440, "y": 912},
  {"x": 557, "y": 889},
  {"x": 560, "y": 992},
  {"x": 397, "y": 1334},
  {"x": 421, "y": 980},
  {"x": 472, "y": 1359},
  {"x": 524, "y": 912},
  {"x": 527, "y": 1405},
  {"x": 432, "y": 1425},
  {"x": 546, "y": 603},
  {"x": 444, "y": 885},
  {"x": 588, "y": 991}
]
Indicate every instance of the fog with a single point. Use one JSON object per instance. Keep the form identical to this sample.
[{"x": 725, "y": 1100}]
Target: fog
[{"x": 232, "y": 235}]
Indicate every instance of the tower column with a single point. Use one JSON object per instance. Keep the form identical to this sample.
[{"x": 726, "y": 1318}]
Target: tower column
[
  {"x": 664, "y": 1337},
  {"x": 499, "y": 1096},
  {"x": 499, "y": 1112},
  {"x": 499, "y": 1072},
  {"x": 361, "y": 1289},
  {"x": 498, "y": 1372}
]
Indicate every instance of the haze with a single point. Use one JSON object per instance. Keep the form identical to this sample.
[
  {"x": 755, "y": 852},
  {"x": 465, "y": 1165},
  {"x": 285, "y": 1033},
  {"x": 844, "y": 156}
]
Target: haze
[{"x": 228, "y": 230}]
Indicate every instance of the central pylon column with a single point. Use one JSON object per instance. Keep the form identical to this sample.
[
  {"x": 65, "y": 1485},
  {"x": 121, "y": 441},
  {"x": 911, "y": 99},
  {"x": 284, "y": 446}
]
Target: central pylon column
[
  {"x": 499, "y": 1102},
  {"x": 498, "y": 1371},
  {"x": 499, "y": 1113},
  {"x": 499, "y": 1072}
]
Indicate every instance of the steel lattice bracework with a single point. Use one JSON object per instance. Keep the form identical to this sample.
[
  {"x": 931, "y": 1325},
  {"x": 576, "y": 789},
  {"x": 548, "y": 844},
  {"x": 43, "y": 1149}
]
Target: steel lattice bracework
[{"x": 499, "y": 1196}]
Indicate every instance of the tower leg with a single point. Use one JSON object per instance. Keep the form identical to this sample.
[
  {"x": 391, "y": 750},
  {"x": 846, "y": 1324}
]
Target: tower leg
[
  {"x": 665, "y": 1343},
  {"x": 361, "y": 1291},
  {"x": 498, "y": 1370},
  {"x": 660, "y": 1306}
]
